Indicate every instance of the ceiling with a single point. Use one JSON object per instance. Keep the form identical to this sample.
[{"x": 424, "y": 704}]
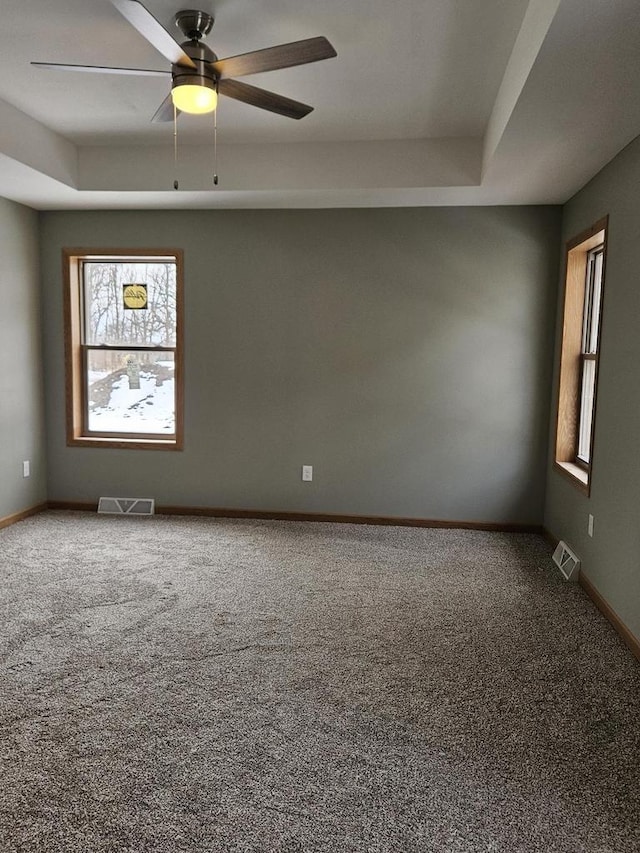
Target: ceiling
[{"x": 428, "y": 102}]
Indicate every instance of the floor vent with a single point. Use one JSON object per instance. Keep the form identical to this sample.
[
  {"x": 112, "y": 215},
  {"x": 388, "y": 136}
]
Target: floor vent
[
  {"x": 127, "y": 506},
  {"x": 566, "y": 561}
]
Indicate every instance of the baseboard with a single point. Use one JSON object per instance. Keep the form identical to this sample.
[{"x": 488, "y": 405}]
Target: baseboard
[
  {"x": 77, "y": 506},
  {"x": 284, "y": 515},
  {"x": 601, "y": 603},
  {"x": 19, "y": 516},
  {"x": 609, "y": 613}
]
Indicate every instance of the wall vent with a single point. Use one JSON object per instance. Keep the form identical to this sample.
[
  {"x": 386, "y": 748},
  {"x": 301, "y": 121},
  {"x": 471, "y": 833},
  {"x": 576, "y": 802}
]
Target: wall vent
[
  {"x": 127, "y": 506},
  {"x": 566, "y": 561}
]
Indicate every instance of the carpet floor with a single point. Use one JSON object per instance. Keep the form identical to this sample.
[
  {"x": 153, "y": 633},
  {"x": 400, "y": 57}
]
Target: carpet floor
[{"x": 183, "y": 684}]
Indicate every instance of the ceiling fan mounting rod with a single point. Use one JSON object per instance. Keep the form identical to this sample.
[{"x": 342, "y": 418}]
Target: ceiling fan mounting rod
[{"x": 193, "y": 23}]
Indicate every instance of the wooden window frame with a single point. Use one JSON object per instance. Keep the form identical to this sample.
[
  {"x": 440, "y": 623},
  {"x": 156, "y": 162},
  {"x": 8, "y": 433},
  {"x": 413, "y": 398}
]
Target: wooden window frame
[
  {"x": 572, "y": 357},
  {"x": 77, "y": 433}
]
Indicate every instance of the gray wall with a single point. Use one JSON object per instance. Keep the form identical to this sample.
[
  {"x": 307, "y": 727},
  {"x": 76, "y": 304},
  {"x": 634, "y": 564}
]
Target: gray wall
[
  {"x": 405, "y": 354},
  {"x": 611, "y": 559},
  {"x": 21, "y": 399}
]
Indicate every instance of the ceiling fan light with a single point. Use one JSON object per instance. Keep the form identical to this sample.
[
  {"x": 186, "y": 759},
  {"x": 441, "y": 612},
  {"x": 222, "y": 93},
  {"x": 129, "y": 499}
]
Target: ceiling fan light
[{"x": 196, "y": 99}]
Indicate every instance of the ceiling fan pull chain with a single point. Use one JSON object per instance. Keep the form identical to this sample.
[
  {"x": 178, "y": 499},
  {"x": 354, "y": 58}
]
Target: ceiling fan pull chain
[
  {"x": 175, "y": 147},
  {"x": 215, "y": 143}
]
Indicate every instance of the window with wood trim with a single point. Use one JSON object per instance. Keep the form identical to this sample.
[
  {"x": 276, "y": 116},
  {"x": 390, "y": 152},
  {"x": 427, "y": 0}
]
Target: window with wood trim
[
  {"x": 585, "y": 267},
  {"x": 123, "y": 333}
]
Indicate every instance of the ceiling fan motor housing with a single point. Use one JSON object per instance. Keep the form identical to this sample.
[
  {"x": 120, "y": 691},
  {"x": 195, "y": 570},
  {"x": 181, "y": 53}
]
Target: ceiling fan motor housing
[{"x": 203, "y": 74}]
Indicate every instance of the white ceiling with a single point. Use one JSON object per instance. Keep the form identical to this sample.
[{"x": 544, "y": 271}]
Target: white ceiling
[{"x": 427, "y": 102}]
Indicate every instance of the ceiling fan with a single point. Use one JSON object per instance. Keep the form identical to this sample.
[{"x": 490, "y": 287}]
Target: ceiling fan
[{"x": 196, "y": 72}]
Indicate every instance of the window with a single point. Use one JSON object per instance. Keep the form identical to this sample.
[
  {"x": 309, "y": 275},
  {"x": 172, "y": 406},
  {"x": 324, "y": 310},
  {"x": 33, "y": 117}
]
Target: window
[
  {"x": 589, "y": 352},
  {"x": 124, "y": 348},
  {"x": 585, "y": 266}
]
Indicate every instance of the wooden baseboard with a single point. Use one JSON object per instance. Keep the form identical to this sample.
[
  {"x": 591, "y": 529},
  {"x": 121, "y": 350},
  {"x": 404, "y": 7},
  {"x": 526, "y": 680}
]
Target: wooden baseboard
[
  {"x": 601, "y": 603},
  {"x": 19, "y": 516},
  {"x": 77, "y": 506},
  {"x": 609, "y": 613},
  {"x": 285, "y": 515}
]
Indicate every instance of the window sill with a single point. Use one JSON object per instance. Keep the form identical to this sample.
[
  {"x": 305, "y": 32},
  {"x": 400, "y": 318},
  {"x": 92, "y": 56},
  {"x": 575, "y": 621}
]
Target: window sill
[
  {"x": 578, "y": 476},
  {"x": 125, "y": 443}
]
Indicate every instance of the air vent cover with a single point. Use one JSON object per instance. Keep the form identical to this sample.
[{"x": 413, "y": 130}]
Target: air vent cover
[
  {"x": 126, "y": 506},
  {"x": 566, "y": 561}
]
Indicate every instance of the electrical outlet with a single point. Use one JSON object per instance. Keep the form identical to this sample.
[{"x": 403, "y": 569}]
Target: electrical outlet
[
  {"x": 26, "y": 468},
  {"x": 307, "y": 473},
  {"x": 590, "y": 525}
]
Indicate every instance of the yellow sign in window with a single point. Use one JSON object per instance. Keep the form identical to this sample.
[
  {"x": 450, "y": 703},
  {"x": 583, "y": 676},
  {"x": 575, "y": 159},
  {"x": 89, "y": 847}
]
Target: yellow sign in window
[{"x": 134, "y": 296}]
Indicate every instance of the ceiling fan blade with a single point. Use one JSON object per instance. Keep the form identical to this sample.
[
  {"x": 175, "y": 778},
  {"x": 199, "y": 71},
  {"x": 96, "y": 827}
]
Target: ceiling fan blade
[
  {"x": 99, "y": 69},
  {"x": 144, "y": 22},
  {"x": 263, "y": 99},
  {"x": 165, "y": 110},
  {"x": 272, "y": 58}
]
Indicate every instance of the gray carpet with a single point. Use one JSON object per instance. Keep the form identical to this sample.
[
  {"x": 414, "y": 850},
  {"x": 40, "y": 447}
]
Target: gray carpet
[{"x": 183, "y": 684}]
